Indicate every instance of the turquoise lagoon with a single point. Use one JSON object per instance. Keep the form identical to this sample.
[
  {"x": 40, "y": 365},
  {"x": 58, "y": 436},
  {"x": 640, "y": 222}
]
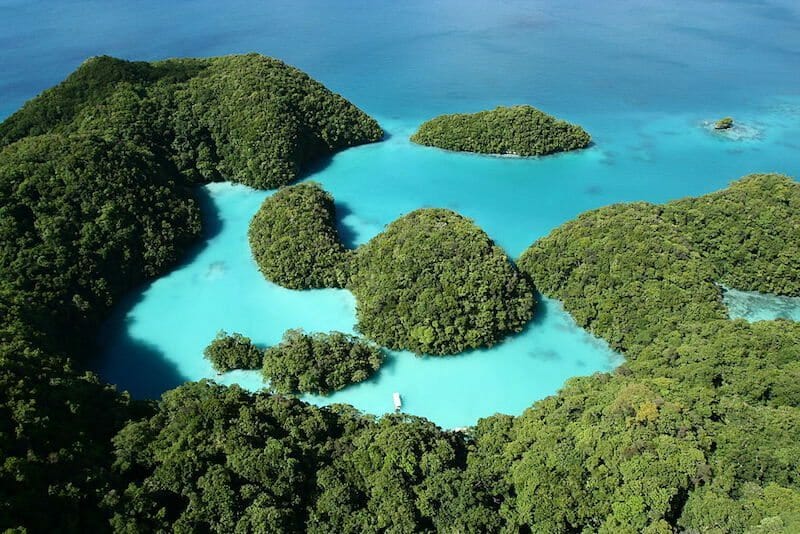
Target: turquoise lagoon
[
  {"x": 645, "y": 80},
  {"x": 164, "y": 329}
]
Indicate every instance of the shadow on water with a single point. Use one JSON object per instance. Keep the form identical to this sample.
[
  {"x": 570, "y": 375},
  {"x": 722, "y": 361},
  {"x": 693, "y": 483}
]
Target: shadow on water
[
  {"x": 389, "y": 361},
  {"x": 212, "y": 226},
  {"x": 132, "y": 364},
  {"x": 322, "y": 162},
  {"x": 347, "y": 235},
  {"x": 212, "y": 223},
  {"x": 141, "y": 369},
  {"x": 314, "y": 167},
  {"x": 540, "y": 312}
]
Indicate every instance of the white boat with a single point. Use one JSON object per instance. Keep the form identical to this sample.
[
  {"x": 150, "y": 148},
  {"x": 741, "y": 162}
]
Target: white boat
[{"x": 398, "y": 402}]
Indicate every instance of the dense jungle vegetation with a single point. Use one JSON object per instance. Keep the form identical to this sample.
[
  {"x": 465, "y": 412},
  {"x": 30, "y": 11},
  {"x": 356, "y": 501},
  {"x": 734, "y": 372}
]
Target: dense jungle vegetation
[
  {"x": 95, "y": 197},
  {"x": 698, "y": 432},
  {"x": 319, "y": 363},
  {"x": 227, "y": 352},
  {"x": 516, "y": 130},
  {"x": 633, "y": 272},
  {"x": 294, "y": 239},
  {"x": 249, "y": 118},
  {"x": 432, "y": 282}
]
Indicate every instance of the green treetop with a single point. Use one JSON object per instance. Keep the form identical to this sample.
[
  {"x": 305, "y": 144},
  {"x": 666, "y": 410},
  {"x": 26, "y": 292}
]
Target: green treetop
[
  {"x": 319, "y": 363},
  {"x": 434, "y": 283}
]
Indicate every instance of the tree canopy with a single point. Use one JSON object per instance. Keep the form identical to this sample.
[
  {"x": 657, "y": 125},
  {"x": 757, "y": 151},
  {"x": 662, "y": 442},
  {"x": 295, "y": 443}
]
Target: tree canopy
[
  {"x": 319, "y": 363},
  {"x": 95, "y": 198},
  {"x": 699, "y": 431},
  {"x": 248, "y": 118},
  {"x": 632, "y": 272},
  {"x": 434, "y": 283},
  {"x": 294, "y": 239},
  {"x": 516, "y": 130},
  {"x": 233, "y": 351}
]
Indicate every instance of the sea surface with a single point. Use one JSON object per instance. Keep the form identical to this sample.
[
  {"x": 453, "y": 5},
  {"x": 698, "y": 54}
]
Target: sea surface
[{"x": 646, "y": 80}]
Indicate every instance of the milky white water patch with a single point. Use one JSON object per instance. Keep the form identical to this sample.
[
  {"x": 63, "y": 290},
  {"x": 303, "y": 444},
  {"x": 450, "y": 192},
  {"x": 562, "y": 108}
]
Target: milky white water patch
[{"x": 754, "y": 306}]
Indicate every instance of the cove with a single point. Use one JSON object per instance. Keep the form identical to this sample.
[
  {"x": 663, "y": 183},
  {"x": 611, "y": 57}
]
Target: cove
[{"x": 155, "y": 340}]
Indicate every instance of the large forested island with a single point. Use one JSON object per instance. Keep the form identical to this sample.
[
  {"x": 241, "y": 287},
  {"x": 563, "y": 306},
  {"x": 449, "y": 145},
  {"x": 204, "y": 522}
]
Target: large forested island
[
  {"x": 514, "y": 130},
  {"x": 698, "y": 432},
  {"x": 432, "y": 282}
]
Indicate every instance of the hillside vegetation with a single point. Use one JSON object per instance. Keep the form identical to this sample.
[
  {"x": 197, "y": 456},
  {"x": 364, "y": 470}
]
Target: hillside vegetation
[
  {"x": 515, "y": 130},
  {"x": 294, "y": 239},
  {"x": 95, "y": 198},
  {"x": 698, "y": 432},
  {"x": 632, "y": 272},
  {"x": 249, "y": 119},
  {"x": 227, "y": 352},
  {"x": 319, "y": 363},
  {"x": 432, "y": 282}
]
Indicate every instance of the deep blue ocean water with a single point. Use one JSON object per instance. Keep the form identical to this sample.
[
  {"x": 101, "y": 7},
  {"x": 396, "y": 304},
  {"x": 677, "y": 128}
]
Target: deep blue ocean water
[{"x": 645, "y": 80}]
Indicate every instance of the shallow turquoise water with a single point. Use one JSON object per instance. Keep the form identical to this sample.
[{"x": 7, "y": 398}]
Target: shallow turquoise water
[
  {"x": 644, "y": 80},
  {"x": 221, "y": 288},
  {"x": 754, "y": 306}
]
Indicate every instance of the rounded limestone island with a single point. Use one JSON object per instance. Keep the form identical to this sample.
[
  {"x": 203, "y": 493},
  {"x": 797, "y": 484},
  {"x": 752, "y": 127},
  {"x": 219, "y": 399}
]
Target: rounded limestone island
[
  {"x": 434, "y": 283},
  {"x": 515, "y": 130},
  {"x": 294, "y": 239}
]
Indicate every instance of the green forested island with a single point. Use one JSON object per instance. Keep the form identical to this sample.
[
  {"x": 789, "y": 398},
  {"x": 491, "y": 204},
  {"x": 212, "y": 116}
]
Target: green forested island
[
  {"x": 249, "y": 118},
  {"x": 295, "y": 242},
  {"x": 432, "y": 282},
  {"x": 633, "y": 272},
  {"x": 515, "y": 130},
  {"x": 227, "y": 352},
  {"x": 319, "y": 363},
  {"x": 698, "y": 432}
]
